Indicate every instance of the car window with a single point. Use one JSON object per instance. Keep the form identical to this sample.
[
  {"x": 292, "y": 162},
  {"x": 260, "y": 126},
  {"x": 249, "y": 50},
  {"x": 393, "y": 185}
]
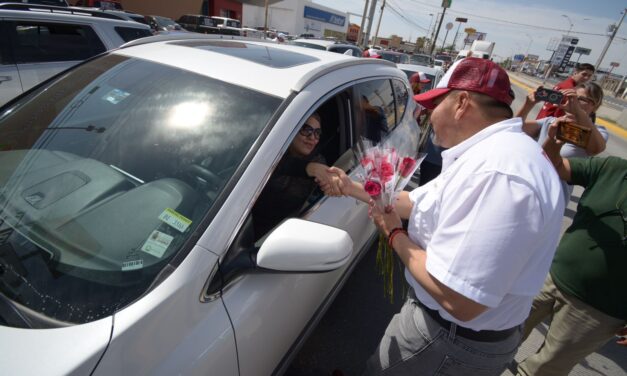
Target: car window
[
  {"x": 373, "y": 109},
  {"x": 401, "y": 96},
  {"x": 309, "y": 45},
  {"x": 106, "y": 174},
  {"x": 130, "y": 33},
  {"x": 35, "y": 42}
]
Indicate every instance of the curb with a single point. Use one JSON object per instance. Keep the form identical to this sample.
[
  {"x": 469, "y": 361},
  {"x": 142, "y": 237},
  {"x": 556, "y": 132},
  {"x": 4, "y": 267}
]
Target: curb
[{"x": 610, "y": 125}]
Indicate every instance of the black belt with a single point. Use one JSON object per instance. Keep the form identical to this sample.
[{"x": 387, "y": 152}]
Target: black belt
[{"x": 480, "y": 336}]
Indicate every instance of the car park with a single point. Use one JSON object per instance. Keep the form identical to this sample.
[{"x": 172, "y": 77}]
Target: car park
[
  {"x": 126, "y": 191},
  {"x": 40, "y": 41},
  {"x": 228, "y": 26},
  {"x": 162, "y": 24},
  {"x": 328, "y": 45},
  {"x": 205, "y": 24},
  {"x": 100, "y": 4}
]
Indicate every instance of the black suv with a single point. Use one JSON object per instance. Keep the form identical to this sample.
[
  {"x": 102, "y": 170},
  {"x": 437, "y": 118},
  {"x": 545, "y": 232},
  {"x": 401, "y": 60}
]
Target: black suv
[{"x": 203, "y": 24}]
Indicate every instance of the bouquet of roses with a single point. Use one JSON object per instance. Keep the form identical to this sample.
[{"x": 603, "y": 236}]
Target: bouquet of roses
[{"x": 385, "y": 173}]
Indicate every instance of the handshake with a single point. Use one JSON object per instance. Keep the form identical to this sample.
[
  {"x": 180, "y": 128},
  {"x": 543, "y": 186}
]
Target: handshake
[{"x": 333, "y": 181}]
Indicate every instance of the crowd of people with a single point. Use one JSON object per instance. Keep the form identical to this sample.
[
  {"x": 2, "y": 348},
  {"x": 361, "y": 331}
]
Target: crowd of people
[{"x": 481, "y": 249}]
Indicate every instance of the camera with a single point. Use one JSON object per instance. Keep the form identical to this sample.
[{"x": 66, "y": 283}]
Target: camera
[
  {"x": 573, "y": 133},
  {"x": 548, "y": 95}
]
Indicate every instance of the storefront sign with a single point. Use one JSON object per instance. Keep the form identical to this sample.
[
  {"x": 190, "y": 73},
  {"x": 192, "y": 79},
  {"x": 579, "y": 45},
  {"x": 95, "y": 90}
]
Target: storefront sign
[{"x": 324, "y": 16}]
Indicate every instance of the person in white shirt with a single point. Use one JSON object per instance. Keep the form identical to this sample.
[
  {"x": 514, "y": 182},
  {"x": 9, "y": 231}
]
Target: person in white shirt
[{"x": 481, "y": 236}]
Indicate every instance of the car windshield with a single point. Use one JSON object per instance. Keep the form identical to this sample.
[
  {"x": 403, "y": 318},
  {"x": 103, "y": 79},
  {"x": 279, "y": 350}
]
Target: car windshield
[
  {"x": 105, "y": 174},
  {"x": 420, "y": 59},
  {"x": 395, "y": 58}
]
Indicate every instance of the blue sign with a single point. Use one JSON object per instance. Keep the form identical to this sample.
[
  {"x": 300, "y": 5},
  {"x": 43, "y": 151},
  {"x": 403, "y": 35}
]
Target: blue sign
[
  {"x": 324, "y": 16},
  {"x": 519, "y": 57}
]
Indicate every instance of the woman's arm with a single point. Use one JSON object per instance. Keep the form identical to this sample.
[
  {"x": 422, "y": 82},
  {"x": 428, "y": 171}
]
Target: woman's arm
[
  {"x": 552, "y": 147},
  {"x": 597, "y": 143},
  {"x": 530, "y": 127}
]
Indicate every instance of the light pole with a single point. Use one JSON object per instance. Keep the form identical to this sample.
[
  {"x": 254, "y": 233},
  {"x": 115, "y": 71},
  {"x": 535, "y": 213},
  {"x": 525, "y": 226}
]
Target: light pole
[
  {"x": 570, "y": 22},
  {"x": 609, "y": 41},
  {"x": 429, "y": 31}
]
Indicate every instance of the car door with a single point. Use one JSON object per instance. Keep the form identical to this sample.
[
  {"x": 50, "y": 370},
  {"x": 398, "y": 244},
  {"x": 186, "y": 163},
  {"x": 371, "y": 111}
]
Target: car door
[
  {"x": 42, "y": 49},
  {"x": 10, "y": 83},
  {"x": 272, "y": 313}
]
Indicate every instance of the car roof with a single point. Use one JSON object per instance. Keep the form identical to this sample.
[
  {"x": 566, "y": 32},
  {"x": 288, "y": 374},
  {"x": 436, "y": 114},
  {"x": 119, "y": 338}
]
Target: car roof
[
  {"x": 272, "y": 68},
  {"x": 420, "y": 68},
  {"x": 30, "y": 11},
  {"x": 320, "y": 42}
]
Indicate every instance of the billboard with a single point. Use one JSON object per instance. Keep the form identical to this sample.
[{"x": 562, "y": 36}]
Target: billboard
[
  {"x": 473, "y": 37},
  {"x": 324, "y": 16}
]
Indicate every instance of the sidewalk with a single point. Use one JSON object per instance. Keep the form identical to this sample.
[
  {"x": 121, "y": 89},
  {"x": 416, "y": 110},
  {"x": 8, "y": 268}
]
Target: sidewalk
[{"x": 607, "y": 116}]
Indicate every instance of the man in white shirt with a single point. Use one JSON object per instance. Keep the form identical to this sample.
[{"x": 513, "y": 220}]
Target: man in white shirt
[{"x": 481, "y": 235}]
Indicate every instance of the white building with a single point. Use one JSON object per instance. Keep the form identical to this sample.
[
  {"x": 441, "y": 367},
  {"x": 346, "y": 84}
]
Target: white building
[{"x": 298, "y": 17}]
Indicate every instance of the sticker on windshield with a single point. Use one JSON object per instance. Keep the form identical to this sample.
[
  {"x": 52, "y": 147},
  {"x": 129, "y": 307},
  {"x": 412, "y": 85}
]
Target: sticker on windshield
[
  {"x": 174, "y": 219},
  {"x": 157, "y": 243},
  {"x": 132, "y": 265},
  {"x": 115, "y": 96}
]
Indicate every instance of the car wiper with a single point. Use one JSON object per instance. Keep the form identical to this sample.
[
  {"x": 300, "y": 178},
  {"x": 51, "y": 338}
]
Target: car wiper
[
  {"x": 10, "y": 313},
  {"x": 89, "y": 128}
]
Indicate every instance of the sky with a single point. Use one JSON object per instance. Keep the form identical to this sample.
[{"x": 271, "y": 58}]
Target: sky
[{"x": 516, "y": 26}]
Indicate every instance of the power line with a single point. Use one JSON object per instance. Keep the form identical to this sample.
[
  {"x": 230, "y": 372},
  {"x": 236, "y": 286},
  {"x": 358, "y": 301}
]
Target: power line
[
  {"x": 507, "y": 22},
  {"x": 399, "y": 14}
]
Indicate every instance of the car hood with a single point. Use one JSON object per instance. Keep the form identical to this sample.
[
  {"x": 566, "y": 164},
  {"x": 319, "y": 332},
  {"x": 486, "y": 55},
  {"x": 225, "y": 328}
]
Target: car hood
[{"x": 73, "y": 350}]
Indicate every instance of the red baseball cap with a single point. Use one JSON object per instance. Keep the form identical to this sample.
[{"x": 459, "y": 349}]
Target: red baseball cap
[
  {"x": 419, "y": 77},
  {"x": 471, "y": 74}
]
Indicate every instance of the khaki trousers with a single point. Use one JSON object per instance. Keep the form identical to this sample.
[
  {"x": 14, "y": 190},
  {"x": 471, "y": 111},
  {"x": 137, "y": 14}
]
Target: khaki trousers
[{"x": 576, "y": 330}]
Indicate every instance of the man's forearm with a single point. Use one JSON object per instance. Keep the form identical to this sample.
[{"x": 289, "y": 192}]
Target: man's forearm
[
  {"x": 552, "y": 150},
  {"x": 415, "y": 259}
]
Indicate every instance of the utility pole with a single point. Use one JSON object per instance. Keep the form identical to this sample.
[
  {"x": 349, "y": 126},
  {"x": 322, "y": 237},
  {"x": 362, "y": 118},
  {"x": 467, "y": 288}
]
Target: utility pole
[
  {"x": 445, "y": 4},
  {"x": 376, "y": 34},
  {"x": 461, "y": 21},
  {"x": 609, "y": 41},
  {"x": 373, "y": 6},
  {"x": 360, "y": 37},
  {"x": 265, "y": 22}
]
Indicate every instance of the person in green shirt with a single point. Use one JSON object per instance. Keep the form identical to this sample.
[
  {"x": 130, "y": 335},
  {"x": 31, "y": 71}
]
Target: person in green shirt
[{"x": 585, "y": 292}]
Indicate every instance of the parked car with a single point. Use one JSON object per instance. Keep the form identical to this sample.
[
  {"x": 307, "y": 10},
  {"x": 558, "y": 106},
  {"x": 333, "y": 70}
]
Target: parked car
[
  {"x": 57, "y": 3},
  {"x": 100, "y": 4},
  {"x": 205, "y": 24},
  {"x": 393, "y": 56},
  {"x": 40, "y": 41},
  {"x": 432, "y": 73},
  {"x": 421, "y": 59},
  {"x": 126, "y": 191},
  {"x": 161, "y": 24},
  {"x": 328, "y": 45}
]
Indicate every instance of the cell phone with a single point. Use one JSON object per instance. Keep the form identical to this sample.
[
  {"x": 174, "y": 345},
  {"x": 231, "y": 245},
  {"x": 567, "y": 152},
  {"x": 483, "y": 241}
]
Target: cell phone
[
  {"x": 574, "y": 134},
  {"x": 549, "y": 95}
]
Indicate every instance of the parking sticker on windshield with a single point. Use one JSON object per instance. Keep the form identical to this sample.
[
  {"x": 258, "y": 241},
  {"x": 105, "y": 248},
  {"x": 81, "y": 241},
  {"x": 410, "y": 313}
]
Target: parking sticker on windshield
[
  {"x": 132, "y": 265},
  {"x": 174, "y": 219},
  {"x": 116, "y": 96},
  {"x": 157, "y": 243}
]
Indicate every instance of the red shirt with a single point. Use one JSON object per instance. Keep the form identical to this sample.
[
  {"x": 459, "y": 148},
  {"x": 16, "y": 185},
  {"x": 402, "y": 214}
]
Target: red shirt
[{"x": 549, "y": 109}]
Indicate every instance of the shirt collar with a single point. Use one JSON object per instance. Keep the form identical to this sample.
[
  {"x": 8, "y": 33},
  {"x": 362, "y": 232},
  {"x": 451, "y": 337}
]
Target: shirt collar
[{"x": 450, "y": 155}]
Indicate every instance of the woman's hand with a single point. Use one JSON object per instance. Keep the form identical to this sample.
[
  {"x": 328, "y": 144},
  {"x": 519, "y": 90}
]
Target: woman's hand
[
  {"x": 385, "y": 222},
  {"x": 571, "y": 105}
]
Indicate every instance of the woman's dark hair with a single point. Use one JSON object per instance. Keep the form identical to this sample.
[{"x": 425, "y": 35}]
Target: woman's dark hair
[{"x": 594, "y": 91}]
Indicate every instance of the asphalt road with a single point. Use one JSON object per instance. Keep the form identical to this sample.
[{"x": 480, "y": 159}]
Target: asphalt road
[{"x": 352, "y": 327}]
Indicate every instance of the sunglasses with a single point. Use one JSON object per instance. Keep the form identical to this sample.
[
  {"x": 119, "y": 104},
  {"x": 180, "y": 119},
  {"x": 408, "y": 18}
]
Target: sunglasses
[
  {"x": 307, "y": 130},
  {"x": 585, "y": 100}
]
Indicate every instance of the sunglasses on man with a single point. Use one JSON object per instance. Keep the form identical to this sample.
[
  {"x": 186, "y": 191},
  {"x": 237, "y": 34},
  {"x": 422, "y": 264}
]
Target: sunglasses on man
[{"x": 307, "y": 130}]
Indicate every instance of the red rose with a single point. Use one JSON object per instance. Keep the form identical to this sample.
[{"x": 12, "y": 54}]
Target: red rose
[
  {"x": 365, "y": 161},
  {"x": 373, "y": 188},
  {"x": 407, "y": 166},
  {"x": 387, "y": 171}
]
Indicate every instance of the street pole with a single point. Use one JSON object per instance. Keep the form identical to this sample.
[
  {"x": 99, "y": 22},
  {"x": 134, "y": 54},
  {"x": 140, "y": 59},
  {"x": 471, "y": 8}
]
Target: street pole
[
  {"x": 373, "y": 6},
  {"x": 376, "y": 34},
  {"x": 609, "y": 41},
  {"x": 437, "y": 32},
  {"x": 461, "y": 21},
  {"x": 444, "y": 42},
  {"x": 360, "y": 37},
  {"x": 265, "y": 22}
]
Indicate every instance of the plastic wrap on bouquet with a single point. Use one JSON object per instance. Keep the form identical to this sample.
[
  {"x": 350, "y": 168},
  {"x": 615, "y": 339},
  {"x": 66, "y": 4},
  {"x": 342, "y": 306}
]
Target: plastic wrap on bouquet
[{"x": 384, "y": 174}]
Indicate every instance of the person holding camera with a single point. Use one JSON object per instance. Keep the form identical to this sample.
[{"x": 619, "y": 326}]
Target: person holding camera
[
  {"x": 583, "y": 73},
  {"x": 584, "y": 293}
]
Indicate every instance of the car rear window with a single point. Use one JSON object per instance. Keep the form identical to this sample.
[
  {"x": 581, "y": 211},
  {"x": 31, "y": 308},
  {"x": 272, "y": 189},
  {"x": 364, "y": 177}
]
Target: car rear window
[
  {"x": 261, "y": 54},
  {"x": 130, "y": 33}
]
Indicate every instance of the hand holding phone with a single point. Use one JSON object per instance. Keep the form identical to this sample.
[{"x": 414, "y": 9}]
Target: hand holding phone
[
  {"x": 547, "y": 95},
  {"x": 573, "y": 133}
]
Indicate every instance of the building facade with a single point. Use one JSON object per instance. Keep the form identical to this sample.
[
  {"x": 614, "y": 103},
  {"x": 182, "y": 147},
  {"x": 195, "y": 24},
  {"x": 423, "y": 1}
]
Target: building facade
[
  {"x": 175, "y": 9},
  {"x": 297, "y": 17}
]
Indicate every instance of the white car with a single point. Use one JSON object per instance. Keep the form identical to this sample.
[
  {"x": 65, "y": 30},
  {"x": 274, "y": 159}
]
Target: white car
[
  {"x": 40, "y": 41},
  {"x": 328, "y": 45},
  {"x": 433, "y": 73},
  {"x": 127, "y": 243}
]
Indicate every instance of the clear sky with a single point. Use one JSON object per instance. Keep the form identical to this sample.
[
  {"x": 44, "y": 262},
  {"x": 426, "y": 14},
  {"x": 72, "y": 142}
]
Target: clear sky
[{"x": 516, "y": 26}]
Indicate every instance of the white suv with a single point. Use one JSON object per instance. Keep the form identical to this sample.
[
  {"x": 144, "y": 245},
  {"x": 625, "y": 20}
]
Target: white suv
[
  {"x": 129, "y": 193},
  {"x": 37, "y": 42}
]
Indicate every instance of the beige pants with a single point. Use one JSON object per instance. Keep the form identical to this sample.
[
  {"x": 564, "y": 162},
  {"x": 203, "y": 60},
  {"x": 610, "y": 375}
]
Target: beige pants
[{"x": 576, "y": 330}]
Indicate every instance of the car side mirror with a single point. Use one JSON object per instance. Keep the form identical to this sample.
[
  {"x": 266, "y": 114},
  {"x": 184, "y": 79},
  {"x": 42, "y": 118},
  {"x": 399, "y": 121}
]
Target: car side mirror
[{"x": 302, "y": 246}]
